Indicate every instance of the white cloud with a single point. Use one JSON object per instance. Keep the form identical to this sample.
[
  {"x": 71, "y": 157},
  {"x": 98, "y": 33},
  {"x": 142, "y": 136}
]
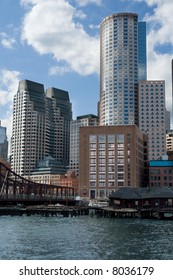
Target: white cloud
[
  {"x": 8, "y": 87},
  {"x": 87, "y": 2},
  {"x": 51, "y": 27},
  {"x": 7, "y": 41},
  {"x": 58, "y": 70},
  {"x": 92, "y": 26}
]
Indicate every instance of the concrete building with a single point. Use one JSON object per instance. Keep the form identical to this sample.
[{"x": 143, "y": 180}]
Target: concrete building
[
  {"x": 59, "y": 111},
  {"x": 41, "y": 126},
  {"x": 85, "y": 120},
  {"x": 111, "y": 157},
  {"x": 152, "y": 116},
  {"x": 122, "y": 64},
  {"x": 161, "y": 173},
  {"x": 3, "y": 143}
]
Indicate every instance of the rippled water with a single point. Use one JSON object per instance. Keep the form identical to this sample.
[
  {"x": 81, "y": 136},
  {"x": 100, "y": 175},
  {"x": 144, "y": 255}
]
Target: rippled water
[{"x": 57, "y": 238}]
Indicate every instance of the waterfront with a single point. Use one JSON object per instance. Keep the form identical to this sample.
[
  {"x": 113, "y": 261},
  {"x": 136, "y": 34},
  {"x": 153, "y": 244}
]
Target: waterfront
[{"x": 58, "y": 238}]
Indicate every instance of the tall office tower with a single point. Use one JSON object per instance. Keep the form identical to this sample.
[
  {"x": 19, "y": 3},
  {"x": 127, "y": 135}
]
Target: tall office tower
[
  {"x": 38, "y": 127},
  {"x": 28, "y": 132},
  {"x": 3, "y": 143},
  {"x": 85, "y": 120},
  {"x": 122, "y": 46},
  {"x": 60, "y": 115},
  {"x": 152, "y": 116}
]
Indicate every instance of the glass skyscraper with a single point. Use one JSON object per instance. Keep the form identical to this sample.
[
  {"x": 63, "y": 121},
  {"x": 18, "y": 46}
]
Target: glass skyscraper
[{"x": 122, "y": 64}]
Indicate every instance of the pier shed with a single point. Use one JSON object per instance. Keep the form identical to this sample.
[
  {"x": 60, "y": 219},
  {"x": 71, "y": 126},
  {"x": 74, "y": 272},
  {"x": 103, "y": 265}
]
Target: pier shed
[{"x": 127, "y": 197}]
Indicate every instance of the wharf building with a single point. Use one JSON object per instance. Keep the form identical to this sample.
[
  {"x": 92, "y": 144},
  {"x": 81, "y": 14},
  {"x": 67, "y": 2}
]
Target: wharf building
[
  {"x": 111, "y": 157},
  {"x": 3, "y": 143},
  {"x": 41, "y": 126},
  {"x": 84, "y": 120}
]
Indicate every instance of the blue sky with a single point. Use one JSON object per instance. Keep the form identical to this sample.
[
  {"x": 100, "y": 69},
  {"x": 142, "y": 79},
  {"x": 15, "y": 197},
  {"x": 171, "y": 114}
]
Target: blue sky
[{"x": 56, "y": 42}]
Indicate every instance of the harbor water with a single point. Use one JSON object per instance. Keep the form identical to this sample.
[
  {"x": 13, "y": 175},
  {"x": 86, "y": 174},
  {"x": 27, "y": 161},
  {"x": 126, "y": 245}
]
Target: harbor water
[{"x": 84, "y": 238}]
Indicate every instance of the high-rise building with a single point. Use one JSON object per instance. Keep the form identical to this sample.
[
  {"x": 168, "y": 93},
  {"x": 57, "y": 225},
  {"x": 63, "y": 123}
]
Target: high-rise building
[
  {"x": 111, "y": 157},
  {"x": 152, "y": 116},
  {"x": 85, "y": 120},
  {"x": 39, "y": 126},
  {"x": 3, "y": 143},
  {"x": 60, "y": 116},
  {"x": 122, "y": 64}
]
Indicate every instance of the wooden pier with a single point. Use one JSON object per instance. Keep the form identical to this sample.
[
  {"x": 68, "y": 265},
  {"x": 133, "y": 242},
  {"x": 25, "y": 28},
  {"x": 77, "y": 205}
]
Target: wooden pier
[
  {"x": 42, "y": 210},
  {"x": 98, "y": 212},
  {"x": 142, "y": 213}
]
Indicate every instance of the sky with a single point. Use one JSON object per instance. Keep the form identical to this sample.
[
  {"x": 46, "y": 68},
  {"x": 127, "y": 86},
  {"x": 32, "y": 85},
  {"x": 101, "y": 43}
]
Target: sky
[{"x": 56, "y": 43}]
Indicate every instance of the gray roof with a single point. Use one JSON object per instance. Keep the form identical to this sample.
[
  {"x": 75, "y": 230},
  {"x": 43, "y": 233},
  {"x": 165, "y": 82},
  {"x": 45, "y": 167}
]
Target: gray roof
[{"x": 142, "y": 193}]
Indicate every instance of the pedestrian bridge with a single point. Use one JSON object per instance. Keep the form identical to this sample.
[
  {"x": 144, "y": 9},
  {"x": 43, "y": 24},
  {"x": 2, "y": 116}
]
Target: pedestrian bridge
[{"x": 16, "y": 189}]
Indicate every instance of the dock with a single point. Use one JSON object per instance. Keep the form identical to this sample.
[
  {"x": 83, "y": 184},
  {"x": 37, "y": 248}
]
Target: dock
[
  {"x": 98, "y": 212},
  {"x": 43, "y": 210}
]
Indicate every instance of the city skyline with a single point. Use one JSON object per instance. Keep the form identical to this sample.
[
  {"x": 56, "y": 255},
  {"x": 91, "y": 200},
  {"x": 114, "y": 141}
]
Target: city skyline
[{"x": 49, "y": 54}]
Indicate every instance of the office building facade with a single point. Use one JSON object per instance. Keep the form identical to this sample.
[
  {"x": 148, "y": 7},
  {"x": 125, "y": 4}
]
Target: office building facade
[
  {"x": 161, "y": 173},
  {"x": 111, "y": 157},
  {"x": 3, "y": 143},
  {"x": 85, "y": 120},
  {"x": 122, "y": 64},
  {"x": 152, "y": 116},
  {"x": 38, "y": 127}
]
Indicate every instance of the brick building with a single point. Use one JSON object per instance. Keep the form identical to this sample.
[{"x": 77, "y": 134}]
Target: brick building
[{"x": 111, "y": 157}]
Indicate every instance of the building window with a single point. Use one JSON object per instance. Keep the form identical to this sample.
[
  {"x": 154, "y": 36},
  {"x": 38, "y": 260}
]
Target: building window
[
  {"x": 101, "y": 184},
  {"x": 120, "y": 138},
  {"x": 111, "y": 138},
  {"x": 93, "y": 138},
  {"x": 102, "y": 138},
  {"x": 92, "y": 184}
]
